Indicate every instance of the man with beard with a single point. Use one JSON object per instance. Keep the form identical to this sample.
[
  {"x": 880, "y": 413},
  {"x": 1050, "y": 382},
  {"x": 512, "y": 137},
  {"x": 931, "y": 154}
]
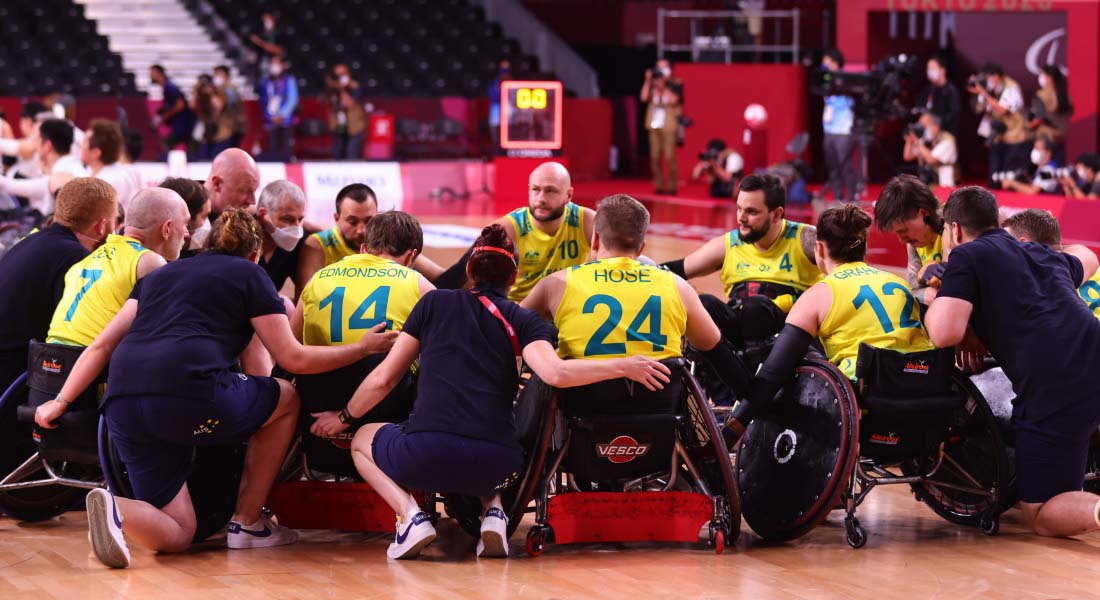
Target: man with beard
[
  {"x": 551, "y": 233},
  {"x": 356, "y": 204},
  {"x": 765, "y": 263}
]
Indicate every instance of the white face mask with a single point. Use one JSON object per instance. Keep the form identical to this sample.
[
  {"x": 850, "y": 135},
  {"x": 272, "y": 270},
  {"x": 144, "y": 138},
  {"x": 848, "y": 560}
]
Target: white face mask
[
  {"x": 933, "y": 75},
  {"x": 269, "y": 25},
  {"x": 219, "y": 80},
  {"x": 345, "y": 80},
  {"x": 1082, "y": 174},
  {"x": 665, "y": 71},
  {"x": 1043, "y": 80},
  {"x": 198, "y": 236},
  {"x": 1036, "y": 157},
  {"x": 927, "y": 135},
  {"x": 276, "y": 70},
  {"x": 287, "y": 237}
]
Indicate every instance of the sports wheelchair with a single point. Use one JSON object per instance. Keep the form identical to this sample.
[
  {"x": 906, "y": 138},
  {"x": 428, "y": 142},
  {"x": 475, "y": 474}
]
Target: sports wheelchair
[
  {"x": 49, "y": 471},
  {"x": 613, "y": 461},
  {"x": 917, "y": 420}
]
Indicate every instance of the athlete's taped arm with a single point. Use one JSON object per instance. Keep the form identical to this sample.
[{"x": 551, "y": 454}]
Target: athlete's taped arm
[{"x": 790, "y": 347}]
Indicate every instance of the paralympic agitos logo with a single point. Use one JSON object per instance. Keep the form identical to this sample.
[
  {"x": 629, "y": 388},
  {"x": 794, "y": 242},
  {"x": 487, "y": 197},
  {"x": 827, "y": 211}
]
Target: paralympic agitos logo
[{"x": 622, "y": 449}]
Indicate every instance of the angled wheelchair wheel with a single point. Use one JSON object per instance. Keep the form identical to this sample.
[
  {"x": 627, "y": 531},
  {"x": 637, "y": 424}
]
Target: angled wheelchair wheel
[
  {"x": 16, "y": 448},
  {"x": 792, "y": 464},
  {"x": 973, "y": 478},
  {"x": 536, "y": 404},
  {"x": 214, "y": 482},
  {"x": 712, "y": 457}
]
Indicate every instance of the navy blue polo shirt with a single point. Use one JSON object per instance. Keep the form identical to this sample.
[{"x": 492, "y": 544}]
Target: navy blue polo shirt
[
  {"x": 1028, "y": 313},
  {"x": 468, "y": 376},
  {"x": 32, "y": 280},
  {"x": 283, "y": 265},
  {"x": 192, "y": 324}
]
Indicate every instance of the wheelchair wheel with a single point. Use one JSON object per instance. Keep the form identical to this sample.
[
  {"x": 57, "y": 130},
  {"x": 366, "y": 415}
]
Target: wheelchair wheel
[
  {"x": 971, "y": 482},
  {"x": 214, "y": 482},
  {"x": 16, "y": 446},
  {"x": 713, "y": 459}
]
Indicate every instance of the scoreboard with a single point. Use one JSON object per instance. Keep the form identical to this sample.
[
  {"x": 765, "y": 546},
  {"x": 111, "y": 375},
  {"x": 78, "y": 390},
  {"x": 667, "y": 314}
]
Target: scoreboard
[{"x": 530, "y": 117}]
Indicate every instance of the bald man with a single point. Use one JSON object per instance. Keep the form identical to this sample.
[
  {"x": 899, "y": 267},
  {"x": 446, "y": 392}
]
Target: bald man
[
  {"x": 551, "y": 233},
  {"x": 233, "y": 181},
  {"x": 97, "y": 286}
]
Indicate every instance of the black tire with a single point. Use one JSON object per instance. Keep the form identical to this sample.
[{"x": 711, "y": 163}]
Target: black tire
[{"x": 974, "y": 443}]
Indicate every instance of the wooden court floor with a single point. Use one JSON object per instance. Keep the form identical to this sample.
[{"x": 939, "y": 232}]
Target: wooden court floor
[{"x": 911, "y": 553}]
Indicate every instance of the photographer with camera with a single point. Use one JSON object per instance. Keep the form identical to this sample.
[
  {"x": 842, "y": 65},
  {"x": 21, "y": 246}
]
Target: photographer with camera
[
  {"x": 837, "y": 120},
  {"x": 721, "y": 167},
  {"x": 1051, "y": 108},
  {"x": 940, "y": 98},
  {"x": 1047, "y": 172},
  {"x": 662, "y": 118},
  {"x": 1083, "y": 182},
  {"x": 999, "y": 99},
  {"x": 934, "y": 150}
]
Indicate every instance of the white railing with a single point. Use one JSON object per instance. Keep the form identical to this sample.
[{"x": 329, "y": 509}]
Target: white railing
[{"x": 712, "y": 32}]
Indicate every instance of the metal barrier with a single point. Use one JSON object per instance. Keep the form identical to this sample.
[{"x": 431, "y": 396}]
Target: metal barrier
[{"x": 712, "y": 32}]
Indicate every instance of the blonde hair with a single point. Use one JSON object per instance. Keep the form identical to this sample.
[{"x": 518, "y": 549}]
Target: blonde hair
[
  {"x": 83, "y": 201},
  {"x": 235, "y": 232}
]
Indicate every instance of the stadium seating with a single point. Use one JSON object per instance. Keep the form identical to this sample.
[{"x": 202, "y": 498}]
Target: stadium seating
[
  {"x": 49, "y": 46},
  {"x": 393, "y": 47}
]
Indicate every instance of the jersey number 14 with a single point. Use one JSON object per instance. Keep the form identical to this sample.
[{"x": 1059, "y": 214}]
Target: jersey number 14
[{"x": 379, "y": 299}]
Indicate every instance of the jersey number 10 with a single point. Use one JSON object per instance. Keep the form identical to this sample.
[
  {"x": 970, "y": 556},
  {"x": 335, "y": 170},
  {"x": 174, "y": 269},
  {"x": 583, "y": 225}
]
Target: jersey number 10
[{"x": 379, "y": 299}]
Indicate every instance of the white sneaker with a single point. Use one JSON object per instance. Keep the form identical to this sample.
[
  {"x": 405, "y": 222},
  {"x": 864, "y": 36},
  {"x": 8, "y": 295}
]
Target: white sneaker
[
  {"x": 264, "y": 534},
  {"x": 105, "y": 529},
  {"x": 494, "y": 534},
  {"x": 417, "y": 535}
]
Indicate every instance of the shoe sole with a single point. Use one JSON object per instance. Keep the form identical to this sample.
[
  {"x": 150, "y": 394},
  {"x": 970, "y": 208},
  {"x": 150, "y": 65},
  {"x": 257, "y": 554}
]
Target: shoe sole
[
  {"x": 414, "y": 550},
  {"x": 106, "y": 548},
  {"x": 493, "y": 545}
]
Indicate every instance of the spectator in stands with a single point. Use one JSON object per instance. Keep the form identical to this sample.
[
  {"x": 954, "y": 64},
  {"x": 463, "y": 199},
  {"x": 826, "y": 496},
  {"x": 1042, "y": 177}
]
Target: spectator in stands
[
  {"x": 934, "y": 149},
  {"x": 1051, "y": 109},
  {"x": 999, "y": 99},
  {"x": 279, "y": 98},
  {"x": 504, "y": 73},
  {"x": 55, "y": 140},
  {"x": 662, "y": 118},
  {"x": 268, "y": 43},
  {"x": 721, "y": 167},
  {"x": 198, "y": 210},
  {"x": 941, "y": 97},
  {"x": 174, "y": 111},
  {"x": 281, "y": 211},
  {"x": 1083, "y": 182},
  {"x": 1045, "y": 180},
  {"x": 837, "y": 120},
  {"x": 32, "y": 273},
  {"x": 347, "y": 119},
  {"x": 234, "y": 105},
  {"x": 101, "y": 151},
  {"x": 233, "y": 181},
  {"x": 215, "y": 129},
  {"x": 23, "y": 150}
]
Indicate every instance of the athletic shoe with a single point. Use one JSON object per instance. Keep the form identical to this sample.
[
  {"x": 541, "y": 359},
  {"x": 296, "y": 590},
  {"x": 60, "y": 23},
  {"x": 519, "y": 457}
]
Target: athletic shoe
[
  {"x": 264, "y": 534},
  {"x": 105, "y": 529},
  {"x": 494, "y": 534},
  {"x": 417, "y": 535}
]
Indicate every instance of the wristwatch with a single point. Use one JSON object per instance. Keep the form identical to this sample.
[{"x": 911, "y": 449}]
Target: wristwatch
[
  {"x": 62, "y": 400},
  {"x": 345, "y": 416}
]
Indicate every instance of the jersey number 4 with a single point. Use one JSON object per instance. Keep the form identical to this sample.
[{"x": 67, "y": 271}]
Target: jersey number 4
[
  {"x": 905, "y": 320},
  {"x": 649, "y": 316},
  {"x": 379, "y": 299}
]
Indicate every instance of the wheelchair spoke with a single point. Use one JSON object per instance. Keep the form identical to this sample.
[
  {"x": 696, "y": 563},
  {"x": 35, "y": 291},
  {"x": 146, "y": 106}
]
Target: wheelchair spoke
[{"x": 29, "y": 467}]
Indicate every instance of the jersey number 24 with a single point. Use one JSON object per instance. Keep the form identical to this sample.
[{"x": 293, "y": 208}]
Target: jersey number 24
[{"x": 649, "y": 316}]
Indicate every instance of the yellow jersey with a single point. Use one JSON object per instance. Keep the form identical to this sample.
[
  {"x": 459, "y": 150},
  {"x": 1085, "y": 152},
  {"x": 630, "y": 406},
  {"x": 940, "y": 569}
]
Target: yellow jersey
[
  {"x": 95, "y": 290},
  {"x": 539, "y": 255},
  {"x": 873, "y": 307},
  {"x": 784, "y": 263},
  {"x": 933, "y": 253},
  {"x": 344, "y": 300},
  {"x": 333, "y": 245},
  {"x": 619, "y": 307},
  {"x": 1090, "y": 293}
]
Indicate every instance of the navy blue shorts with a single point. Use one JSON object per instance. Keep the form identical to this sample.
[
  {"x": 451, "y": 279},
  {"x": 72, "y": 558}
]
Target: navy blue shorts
[
  {"x": 1051, "y": 453},
  {"x": 444, "y": 462},
  {"x": 156, "y": 435}
]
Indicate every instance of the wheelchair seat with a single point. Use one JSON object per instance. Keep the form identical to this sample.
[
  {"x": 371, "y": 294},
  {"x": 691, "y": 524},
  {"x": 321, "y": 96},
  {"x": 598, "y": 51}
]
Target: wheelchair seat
[{"x": 74, "y": 439}]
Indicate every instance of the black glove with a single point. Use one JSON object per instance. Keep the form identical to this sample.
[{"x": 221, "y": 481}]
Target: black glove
[
  {"x": 934, "y": 270},
  {"x": 790, "y": 347}
]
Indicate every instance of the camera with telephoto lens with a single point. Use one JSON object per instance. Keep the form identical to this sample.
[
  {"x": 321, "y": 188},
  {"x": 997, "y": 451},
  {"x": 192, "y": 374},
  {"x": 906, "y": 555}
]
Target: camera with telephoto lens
[
  {"x": 1047, "y": 174},
  {"x": 709, "y": 154},
  {"x": 916, "y": 130},
  {"x": 1002, "y": 176}
]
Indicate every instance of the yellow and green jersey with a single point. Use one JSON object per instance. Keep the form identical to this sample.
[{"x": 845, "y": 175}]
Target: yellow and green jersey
[
  {"x": 619, "y": 307},
  {"x": 933, "y": 253},
  {"x": 539, "y": 254},
  {"x": 344, "y": 300},
  {"x": 1090, "y": 293},
  {"x": 95, "y": 290},
  {"x": 333, "y": 245},
  {"x": 784, "y": 263},
  {"x": 872, "y": 307}
]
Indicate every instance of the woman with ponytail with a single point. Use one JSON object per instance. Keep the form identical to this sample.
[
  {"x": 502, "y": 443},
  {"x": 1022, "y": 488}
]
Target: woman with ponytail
[
  {"x": 172, "y": 386},
  {"x": 854, "y": 304},
  {"x": 460, "y": 437}
]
